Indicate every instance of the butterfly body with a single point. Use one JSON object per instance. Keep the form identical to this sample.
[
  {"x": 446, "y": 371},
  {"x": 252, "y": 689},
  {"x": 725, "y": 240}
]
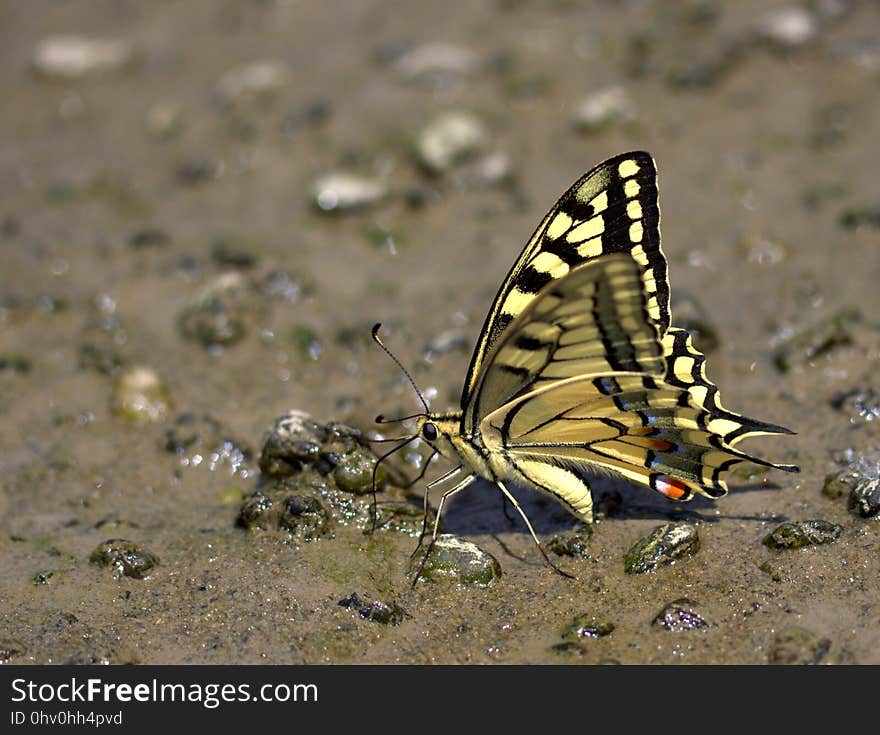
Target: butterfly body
[{"x": 578, "y": 370}]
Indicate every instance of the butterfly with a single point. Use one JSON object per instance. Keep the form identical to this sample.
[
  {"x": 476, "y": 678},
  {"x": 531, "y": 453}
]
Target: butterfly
[{"x": 578, "y": 369}]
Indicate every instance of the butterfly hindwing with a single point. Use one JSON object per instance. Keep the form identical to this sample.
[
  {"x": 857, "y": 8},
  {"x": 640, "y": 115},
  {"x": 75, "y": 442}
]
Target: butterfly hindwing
[
  {"x": 611, "y": 209},
  {"x": 686, "y": 368}
]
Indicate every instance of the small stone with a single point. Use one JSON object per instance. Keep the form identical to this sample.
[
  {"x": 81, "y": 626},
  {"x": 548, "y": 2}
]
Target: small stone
[
  {"x": 304, "y": 515},
  {"x": 148, "y": 237},
  {"x": 295, "y": 509},
  {"x": 15, "y": 363},
  {"x": 221, "y": 312},
  {"x": 354, "y": 473},
  {"x": 862, "y": 405},
  {"x": 375, "y": 611},
  {"x": 864, "y": 499},
  {"x": 575, "y": 543},
  {"x": 453, "y": 558},
  {"x": 255, "y": 80},
  {"x": 690, "y": 315},
  {"x": 435, "y": 63},
  {"x": 679, "y": 616},
  {"x": 140, "y": 395},
  {"x": 72, "y": 57},
  {"x": 48, "y": 576},
  {"x": 805, "y": 346},
  {"x": 450, "y": 139},
  {"x": 234, "y": 253},
  {"x": 492, "y": 169},
  {"x": 346, "y": 192},
  {"x": 604, "y": 108},
  {"x": 860, "y": 216},
  {"x": 296, "y": 440},
  {"x": 202, "y": 441},
  {"x": 798, "y": 646},
  {"x": 164, "y": 121},
  {"x": 580, "y": 630},
  {"x": 194, "y": 171},
  {"x": 703, "y": 70},
  {"x": 860, "y": 477},
  {"x": 279, "y": 285},
  {"x": 125, "y": 557},
  {"x": 763, "y": 250},
  {"x": 840, "y": 483},
  {"x": 787, "y": 28},
  {"x": 796, "y": 535},
  {"x": 666, "y": 544},
  {"x": 452, "y": 340},
  {"x": 771, "y": 569},
  {"x": 305, "y": 341},
  {"x": 10, "y": 649}
]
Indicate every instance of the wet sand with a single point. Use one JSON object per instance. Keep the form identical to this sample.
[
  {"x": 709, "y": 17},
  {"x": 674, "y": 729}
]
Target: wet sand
[{"x": 128, "y": 189}]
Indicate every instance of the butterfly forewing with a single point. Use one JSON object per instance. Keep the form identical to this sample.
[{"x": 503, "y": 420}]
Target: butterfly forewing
[{"x": 611, "y": 209}]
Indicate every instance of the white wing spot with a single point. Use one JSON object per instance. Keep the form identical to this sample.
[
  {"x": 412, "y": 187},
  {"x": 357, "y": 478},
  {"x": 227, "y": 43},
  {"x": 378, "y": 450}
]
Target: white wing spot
[
  {"x": 586, "y": 230},
  {"x": 635, "y": 231},
  {"x": 545, "y": 262},
  {"x": 590, "y": 248},
  {"x": 628, "y": 168},
  {"x": 631, "y": 188},
  {"x": 634, "y": 209},
  {"x": 638, "y": 253},
  {"x": 516, "y": 301},
  {"x": 559, "y": 226},
  {"x": 599, "y": 203}
]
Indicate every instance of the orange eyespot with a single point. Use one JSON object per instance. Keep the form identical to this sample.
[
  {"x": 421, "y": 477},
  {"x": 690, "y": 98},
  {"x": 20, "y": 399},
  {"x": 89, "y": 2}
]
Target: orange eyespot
[{"x": 671, "y": 487}]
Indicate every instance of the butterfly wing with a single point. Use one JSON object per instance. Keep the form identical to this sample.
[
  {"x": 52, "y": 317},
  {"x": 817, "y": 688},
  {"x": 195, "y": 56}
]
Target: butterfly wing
[
  {"x": 686, "y": 369},
  {"x": 611, "y": 209},
  {"x": 588, "y": 383},
  {"x": 592, "y": 321}
]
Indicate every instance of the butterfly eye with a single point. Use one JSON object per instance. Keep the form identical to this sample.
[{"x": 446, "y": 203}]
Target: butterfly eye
[{"x": 429, "y": 431}]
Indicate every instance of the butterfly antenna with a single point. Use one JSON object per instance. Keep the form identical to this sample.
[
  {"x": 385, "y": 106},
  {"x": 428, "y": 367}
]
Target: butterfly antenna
[{"x": 375, "y": 333}]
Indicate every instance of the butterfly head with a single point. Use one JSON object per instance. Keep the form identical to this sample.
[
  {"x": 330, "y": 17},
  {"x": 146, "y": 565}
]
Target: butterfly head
[{"x": 439, "y": 431}]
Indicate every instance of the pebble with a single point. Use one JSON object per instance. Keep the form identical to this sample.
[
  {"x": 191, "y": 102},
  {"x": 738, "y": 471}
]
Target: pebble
[
  {"x": 140, "y": 395},
  {"x": 453, "y": 558},
  {"x": 796, "y": 535},
  {"x": 254, "y": 80},
  {"x": 341, "y": 191},
  {"x": 798, "y": 646},
  {"x": 435, "y": 63},
  {"x": 163, "y": 121},
  {"x": 787, "y": 28},
  {"x": 125, "y": 557},
  {"x": 221, "y": 312},
  {"x": 582, "y": 629},
  {"x": 574, "y": 543},
  {"x": 72, "y": 57},
  {"x": 376, "y": 611},
  {"x": 680, "y": 616},
  {"x": 450, "y": 139},
  {"x": 606, "y": 107},
  {"x": 803, "y": 347},
  {"x": 666, "y": 544}
]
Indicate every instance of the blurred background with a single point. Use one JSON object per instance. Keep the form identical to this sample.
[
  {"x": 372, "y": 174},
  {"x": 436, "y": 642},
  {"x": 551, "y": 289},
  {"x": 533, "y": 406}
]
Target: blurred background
[{"x": 205, "y": 205}]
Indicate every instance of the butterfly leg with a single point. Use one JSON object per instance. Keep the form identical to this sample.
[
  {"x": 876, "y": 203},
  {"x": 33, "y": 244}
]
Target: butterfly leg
[
  {"x": 452, "y": 473},
  {"x": 443, "y": 498},
  {"x": 506, "y": 510},
  {"x": 522, "y": 513}
]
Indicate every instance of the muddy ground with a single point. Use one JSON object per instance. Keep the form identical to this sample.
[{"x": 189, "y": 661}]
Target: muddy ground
[{"x": 135, "y": 175}]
